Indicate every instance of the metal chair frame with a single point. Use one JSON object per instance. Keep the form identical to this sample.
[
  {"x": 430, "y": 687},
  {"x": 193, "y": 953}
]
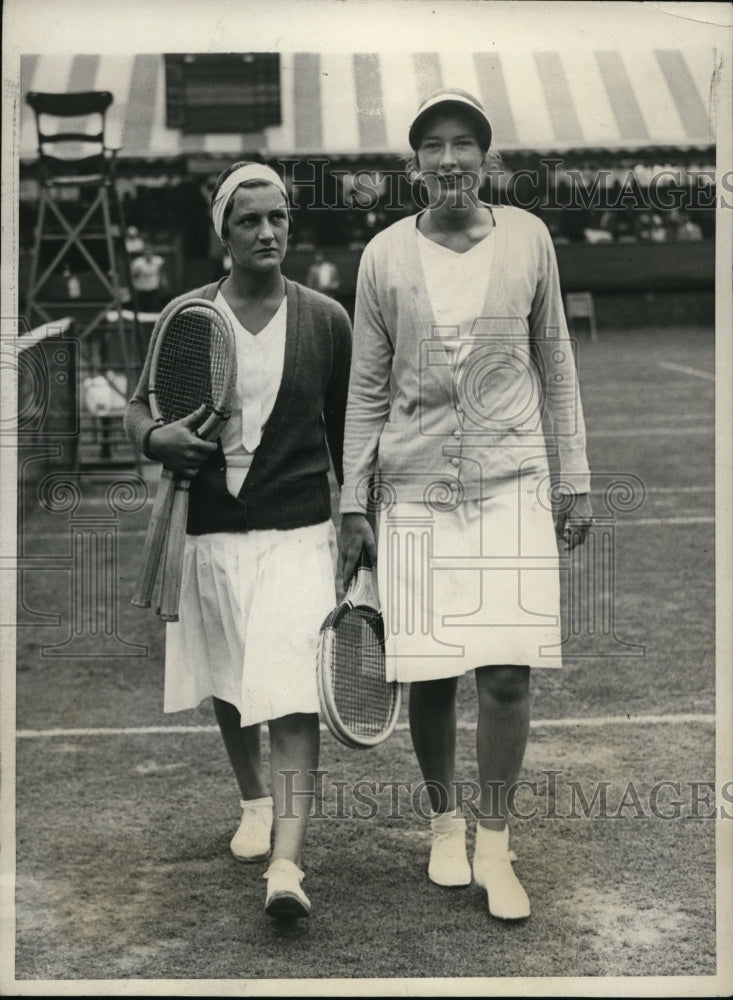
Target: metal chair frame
[{"x": 103, "y": 219}]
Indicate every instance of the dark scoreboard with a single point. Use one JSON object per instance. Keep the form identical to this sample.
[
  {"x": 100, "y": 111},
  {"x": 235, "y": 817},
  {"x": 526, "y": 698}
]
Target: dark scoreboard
[{"x": 222, "y": 92}]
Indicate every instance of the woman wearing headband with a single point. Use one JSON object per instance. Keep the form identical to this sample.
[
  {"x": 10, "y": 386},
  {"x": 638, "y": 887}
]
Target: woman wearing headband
[
  {"x": 460, "y": 345},
  {"x": 258, "y": 572}
]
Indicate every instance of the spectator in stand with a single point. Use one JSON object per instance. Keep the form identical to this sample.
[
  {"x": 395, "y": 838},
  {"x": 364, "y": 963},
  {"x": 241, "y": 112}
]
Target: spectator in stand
[
  {"x": 134, "y": 243},
  {"x": 658, "y": 232},
  {"x": 624, "y": 226},
  {"x": 682, "y": 228},
  {"x": 149, "y": 280},
  {"x": 650, "y": 228},
  {"x": 601, "y": 230},
  {"x": 323, "y": 276}
]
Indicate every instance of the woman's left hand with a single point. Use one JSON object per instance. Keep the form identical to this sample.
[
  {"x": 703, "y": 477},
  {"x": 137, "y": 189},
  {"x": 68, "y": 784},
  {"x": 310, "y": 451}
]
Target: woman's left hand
[{"x": 573, "y": 520}]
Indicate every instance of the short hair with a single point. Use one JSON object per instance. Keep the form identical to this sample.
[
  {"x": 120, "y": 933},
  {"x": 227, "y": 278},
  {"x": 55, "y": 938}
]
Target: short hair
[
  {"x": 454, "y": 111},
  {"x": 253, "y": 183}
]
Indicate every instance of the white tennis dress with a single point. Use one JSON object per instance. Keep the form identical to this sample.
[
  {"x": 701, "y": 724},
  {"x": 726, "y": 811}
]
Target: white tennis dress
[
  {"x": 251, "y": 602},
  {"x": 477, "y": 583}
]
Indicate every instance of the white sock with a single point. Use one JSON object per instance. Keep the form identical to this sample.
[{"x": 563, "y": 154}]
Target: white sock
[
  {"x": 445, "y": 821},
  {"x": 266, "y": 800},
  {"x": 492, "y": 842}
]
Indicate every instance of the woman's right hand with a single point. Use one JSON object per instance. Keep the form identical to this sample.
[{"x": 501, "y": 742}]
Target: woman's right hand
[
  {"x": 356, "y": 536},
  {"x": 178, "y": 447}
]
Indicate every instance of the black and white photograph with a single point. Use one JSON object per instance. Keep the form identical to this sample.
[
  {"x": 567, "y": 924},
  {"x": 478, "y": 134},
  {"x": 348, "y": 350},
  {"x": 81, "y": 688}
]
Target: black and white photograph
[{"x": 366, "y": 458}]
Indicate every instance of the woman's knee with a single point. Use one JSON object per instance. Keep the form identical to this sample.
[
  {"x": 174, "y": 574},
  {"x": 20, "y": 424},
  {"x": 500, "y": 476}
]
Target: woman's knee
[
  {"x": 437, "y": 692},
  {"x": 504, "y": 683},
  {"x": 295, "y": 726}
]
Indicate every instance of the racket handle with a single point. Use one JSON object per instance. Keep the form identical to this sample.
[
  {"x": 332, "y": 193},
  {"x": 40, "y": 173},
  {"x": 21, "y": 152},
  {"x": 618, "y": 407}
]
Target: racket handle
[
  {"x": 364, "y": 561},
  {"x": 170, "y": 586},
  {"x": 154, "y": 541}
]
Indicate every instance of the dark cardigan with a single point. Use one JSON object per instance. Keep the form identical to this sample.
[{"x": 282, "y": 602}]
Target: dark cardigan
[{"x": 287, "y": 483}]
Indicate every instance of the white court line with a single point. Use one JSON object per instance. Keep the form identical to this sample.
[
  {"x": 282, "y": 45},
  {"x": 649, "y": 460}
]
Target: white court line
[
  {"x": 649, "y": 432},
  {"x": 686, "y": 371},
  {"x": 679, "y": 489},
  {"x": 594, "y": 722},
  {"x": 640, "y": 521},
  {"x": 625, "y": 522}
]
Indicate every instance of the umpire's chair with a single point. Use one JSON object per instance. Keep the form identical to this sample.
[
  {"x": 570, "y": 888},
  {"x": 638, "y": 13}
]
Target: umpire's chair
[{"x": 79, "y": 265}]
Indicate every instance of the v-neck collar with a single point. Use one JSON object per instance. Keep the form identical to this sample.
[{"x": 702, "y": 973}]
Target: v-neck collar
[
  {"x": 274, "y": 421},
  {"x": 454, "y": 255},
  {"x": 457, "y": 253},
  {"x": 254, "y": 337},
  {"x": 494, "y": 277},
  {"x": 427, "y": 323}
]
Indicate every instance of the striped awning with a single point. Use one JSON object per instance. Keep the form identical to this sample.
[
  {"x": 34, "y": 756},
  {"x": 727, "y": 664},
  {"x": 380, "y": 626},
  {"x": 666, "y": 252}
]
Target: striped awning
[{"x": 359, "y": 103}]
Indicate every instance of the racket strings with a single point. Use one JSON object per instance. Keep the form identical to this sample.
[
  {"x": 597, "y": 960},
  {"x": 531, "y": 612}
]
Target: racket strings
[
  {"x": 193, "y": 365},
  {"x": 362, "y": 698}
]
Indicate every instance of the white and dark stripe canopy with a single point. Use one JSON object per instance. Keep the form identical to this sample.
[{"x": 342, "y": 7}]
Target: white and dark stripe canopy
[{"x": 362, "y": 103}]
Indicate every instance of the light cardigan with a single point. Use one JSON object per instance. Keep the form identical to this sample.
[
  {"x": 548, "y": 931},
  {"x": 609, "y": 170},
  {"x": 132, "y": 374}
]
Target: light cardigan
[
  {"x": 287, "y": 484},
  {"x": 445, "y": 414}
]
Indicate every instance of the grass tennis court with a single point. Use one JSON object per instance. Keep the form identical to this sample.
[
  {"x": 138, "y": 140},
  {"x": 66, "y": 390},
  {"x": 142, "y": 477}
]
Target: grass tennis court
[{"x": 124, "y": 815}]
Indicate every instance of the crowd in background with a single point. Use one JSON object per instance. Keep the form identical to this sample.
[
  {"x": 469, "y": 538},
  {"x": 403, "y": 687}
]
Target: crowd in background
[{"x": 337, "y": 207}]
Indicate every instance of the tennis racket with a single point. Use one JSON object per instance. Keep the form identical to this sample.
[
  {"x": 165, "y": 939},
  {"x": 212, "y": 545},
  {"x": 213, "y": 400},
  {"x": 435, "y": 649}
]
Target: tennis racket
[
  {"x": 193, "y": 364},
  {"x": 359, "y": 705}
]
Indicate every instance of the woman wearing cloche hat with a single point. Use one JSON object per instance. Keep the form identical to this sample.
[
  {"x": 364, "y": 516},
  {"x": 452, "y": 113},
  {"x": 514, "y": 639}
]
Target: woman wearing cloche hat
[{"x": 460, "y": 347}]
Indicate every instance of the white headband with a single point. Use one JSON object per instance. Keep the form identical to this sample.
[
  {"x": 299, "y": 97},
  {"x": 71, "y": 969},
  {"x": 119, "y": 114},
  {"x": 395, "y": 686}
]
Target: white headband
[{"x": 250, "y": 172}]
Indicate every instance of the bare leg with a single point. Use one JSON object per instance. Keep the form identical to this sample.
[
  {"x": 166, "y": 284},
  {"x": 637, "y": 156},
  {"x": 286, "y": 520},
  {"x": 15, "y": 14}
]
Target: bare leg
[
  {"x": 433, "y": 730},
  {"x": 294, "y": 747},
  {"x": 243, "y": 748},
  {"x": 501, "y": 739},
  {"x": 501, "y": 736},
  {"x": 433, "y": 727}
]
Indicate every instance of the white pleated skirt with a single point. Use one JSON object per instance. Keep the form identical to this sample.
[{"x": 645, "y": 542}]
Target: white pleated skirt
[
  {"x": 470, "y": 586},
  {"x": 252, "y": 604}
]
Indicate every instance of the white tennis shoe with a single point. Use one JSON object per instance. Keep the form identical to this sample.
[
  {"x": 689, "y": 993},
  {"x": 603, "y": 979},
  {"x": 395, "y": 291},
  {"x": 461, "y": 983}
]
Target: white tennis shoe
[
  {"x": 285, "y": 898},
  {"x": 448, "y": 865},
  {"x": 251, "y": 842},
  {"x": 492, "y": 870}
]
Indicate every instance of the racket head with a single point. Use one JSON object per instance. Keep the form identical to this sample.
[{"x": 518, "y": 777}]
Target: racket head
[
  {"x": 194, "y": 363},
  {"x": 360, "y": 707}
]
